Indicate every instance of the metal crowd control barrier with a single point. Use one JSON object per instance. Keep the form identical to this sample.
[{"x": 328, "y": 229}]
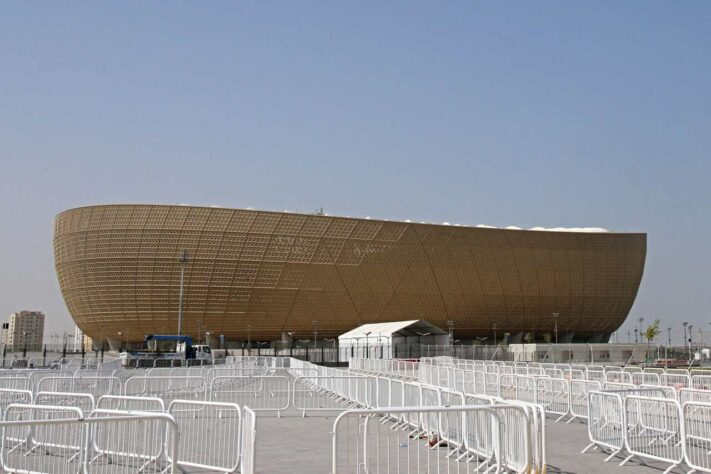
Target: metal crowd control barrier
[
  {"x": 135, "y": 446},
  {"x": 554, "y": 395},
  {"x": 696, "y": 435},
  {"x": 16, "y": 383},
  {"x": 209, "y": 435},
  {"x": 579, "y": 390},
  {"x": 248, "y": 441},
  {"x": 167, "y": 388},
  {"x": 478, "y": 435},
  {"x": 10, "y": 396},
  {"x": 96, "y": 386},
  {"x": 260, "y": 393},
  {"x": 83, "y": 401},
  {"x": 653, "y": 430},
  {"x": 331, "y": 393},
  {"x": 131, "y": 403},
  {"x": 606, "y": 423},
  {"x": 59, "y": 440}
]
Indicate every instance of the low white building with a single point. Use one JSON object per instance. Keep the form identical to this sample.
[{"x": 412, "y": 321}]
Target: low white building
[
  {"x": 394, "y": 340},
  {"x": 602, "y": 353}
]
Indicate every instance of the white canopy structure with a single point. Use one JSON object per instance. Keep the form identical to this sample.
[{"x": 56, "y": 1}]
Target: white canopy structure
[{"x": 399, "y": 339}]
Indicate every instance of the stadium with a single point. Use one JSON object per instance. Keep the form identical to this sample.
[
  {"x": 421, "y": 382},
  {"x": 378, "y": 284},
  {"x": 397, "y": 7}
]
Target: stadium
[{"x": 260, "y": 274}]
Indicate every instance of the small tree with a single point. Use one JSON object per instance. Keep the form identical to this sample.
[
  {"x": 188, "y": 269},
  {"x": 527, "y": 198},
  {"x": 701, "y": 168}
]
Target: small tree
[
  {"x": 528, "y": 337},
  {"x": 547, "y": 337},
  {"x": 652, "y": 331}
]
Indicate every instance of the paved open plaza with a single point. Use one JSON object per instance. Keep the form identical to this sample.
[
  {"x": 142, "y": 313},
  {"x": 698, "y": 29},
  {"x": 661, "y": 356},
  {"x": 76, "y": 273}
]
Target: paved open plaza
[{"x": 273, "y": 415}]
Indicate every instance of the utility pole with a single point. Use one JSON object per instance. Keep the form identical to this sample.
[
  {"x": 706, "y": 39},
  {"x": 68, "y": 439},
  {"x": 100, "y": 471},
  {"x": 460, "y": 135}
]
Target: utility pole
[
  {"x": 315, "y": 324},
  {"x": 555, "y": 327},
  {"x": 691, "y": 338},
  {"x": 183, "y": 261},
  {"x": 495, "y": 340}
]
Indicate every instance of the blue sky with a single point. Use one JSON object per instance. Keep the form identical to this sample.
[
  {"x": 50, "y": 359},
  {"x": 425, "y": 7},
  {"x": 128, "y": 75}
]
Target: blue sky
[{"x": 500, "y": 113}]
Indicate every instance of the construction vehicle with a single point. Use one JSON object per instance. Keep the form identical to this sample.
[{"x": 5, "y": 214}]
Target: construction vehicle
[{"x": 171, "y": 347}]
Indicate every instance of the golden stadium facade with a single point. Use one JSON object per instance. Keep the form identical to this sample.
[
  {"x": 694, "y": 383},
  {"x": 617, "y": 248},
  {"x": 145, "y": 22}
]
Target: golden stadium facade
[{"x": 260, "y": 274}]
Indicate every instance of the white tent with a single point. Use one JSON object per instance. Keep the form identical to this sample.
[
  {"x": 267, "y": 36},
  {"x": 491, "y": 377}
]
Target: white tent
[{"x": 398, "y": 339}]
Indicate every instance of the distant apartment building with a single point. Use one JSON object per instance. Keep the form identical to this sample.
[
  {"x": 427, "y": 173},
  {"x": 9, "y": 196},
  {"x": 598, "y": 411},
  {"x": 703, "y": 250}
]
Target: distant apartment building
[{"x": 25, "y": 330}]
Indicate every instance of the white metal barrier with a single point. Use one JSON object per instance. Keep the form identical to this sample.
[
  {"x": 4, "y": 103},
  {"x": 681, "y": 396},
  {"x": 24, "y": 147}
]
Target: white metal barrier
[
  {"x": 209, "y": 435},
  {"x": 478, "y": 433},
  {"x": 260, "y": 393},
  {"x": 696, "y": 435},
  {"x": 168, "y": 388},
  {"x": 248, "y": 441},
  {"x": 57, "y": 440},
  {"x": 333, "y": 392},
  {"x": 653, "y": 429}
]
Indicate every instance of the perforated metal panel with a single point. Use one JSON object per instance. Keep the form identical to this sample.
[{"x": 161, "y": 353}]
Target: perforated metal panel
[{"x": 118, "y": 272}]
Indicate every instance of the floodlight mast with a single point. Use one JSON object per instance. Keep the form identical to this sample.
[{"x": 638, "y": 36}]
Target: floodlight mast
[{"x": 183, "y": 261}]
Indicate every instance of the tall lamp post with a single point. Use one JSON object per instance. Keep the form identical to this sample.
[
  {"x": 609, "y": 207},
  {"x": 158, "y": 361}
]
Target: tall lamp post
[
  {"x": 555, "y": 327},
  {"x": 495, "y": 340},
  {"x": 315, "y": 325},
  {"x": 183, "y": 261},
  {"x": 686, "y": 340},
  {"x": 691, "y": 343},
  {"x": 367, "y": 349}
]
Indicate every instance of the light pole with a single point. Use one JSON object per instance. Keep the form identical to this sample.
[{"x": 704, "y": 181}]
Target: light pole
[
  {"x": 367, "y": 349},
  {"x": 495, "y": 340},
  {"x": 691, "y": 343},
  {"x": 315, "y": 325},
  {"x": 450, "y": 327},
  {"x": 357, "y": 345},
  {"x": 636, "y": 341},
  {"x": 182, "y": 261},
  {"x": 555, "y": 328},
  {"x": 249, "y": 339},
  {"x": 641, "y": 331}
]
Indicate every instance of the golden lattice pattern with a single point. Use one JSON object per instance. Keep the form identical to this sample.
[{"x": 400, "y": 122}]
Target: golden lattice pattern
[{"x": 273, "y": 272}]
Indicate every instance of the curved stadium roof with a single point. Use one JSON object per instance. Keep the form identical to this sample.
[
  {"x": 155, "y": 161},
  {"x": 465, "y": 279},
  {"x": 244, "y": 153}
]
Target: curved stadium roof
[{"x": 268, "y": 272}]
